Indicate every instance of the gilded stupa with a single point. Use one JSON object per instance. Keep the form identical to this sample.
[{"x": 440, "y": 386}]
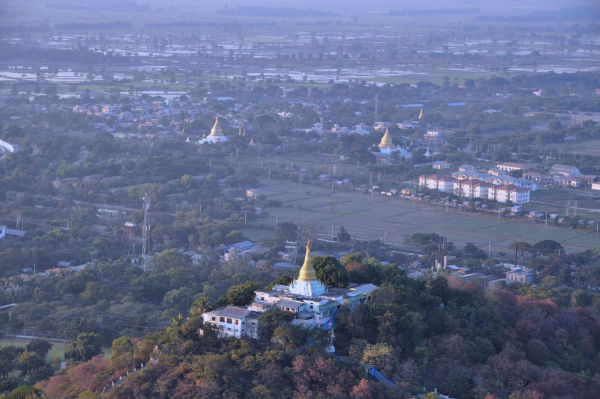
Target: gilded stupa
[
  {"x": 216, "y": 134},
  {"x": 307, "y": 283},
  {"x": 386, "y": 147},
  {"x": 386, "y": 141}
]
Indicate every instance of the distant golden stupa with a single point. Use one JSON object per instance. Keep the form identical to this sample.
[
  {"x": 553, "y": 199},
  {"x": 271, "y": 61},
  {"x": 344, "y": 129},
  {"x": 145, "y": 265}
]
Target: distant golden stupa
[
  {"x": 386, "y": 141},
  {"x": 216, "y": 129}
]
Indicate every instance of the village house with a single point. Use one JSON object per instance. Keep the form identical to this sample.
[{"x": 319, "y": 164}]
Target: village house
[
  {"x": 510, "y": 166},
  {"x": 519, "y": 275}
]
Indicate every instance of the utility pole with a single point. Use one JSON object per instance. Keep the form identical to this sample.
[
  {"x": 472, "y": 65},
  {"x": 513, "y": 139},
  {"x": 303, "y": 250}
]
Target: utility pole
[
  {"x": 145, "y": 231},
  {"x": 376, "y": 107}
]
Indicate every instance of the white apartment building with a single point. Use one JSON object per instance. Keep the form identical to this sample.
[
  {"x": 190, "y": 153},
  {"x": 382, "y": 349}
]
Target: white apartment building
[
  {"x": 436, "y": 182},
  {"x": 514, "y": 194},
  {"x": 233, "y": 321},
  {"x": 475, "y": 188}
]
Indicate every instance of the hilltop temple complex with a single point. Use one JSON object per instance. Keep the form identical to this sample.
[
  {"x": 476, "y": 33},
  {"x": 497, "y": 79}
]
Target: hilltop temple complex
[{"x": 311, "y": 303}]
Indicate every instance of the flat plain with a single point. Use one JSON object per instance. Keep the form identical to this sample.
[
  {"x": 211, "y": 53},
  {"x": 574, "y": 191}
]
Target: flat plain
[{"x": 394, "y": 219}]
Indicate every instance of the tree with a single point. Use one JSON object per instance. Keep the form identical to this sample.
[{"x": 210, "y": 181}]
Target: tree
[
  {"x": 121, "y": 356},
  {"x": 379, "y": 356},
  {"x": 284, "y": 279},
  {"x": 39, "y": 346},
  {"x": 241, "y": 294},
  {"x": 548, "y": 247},
  {"x": 270, "y": 320},
  {"x": 200, "y": 305},
  {"x": 471, "y": 251},
  {"x": 343, "y": 235},
  {"x": 188, "y": 181},
  {"x": 33, "y": 366},
  {"x": 121, "y": 346},
  {"x": 85, "y": 346},
  {"x": 287, "y": 231},
  {"x": 321, "y": 378},
  {"x": 289, "y": 335},
  {"x": 25, "y": 392},
  {"x": 330, "y": 271},
  {"x": 366, "y": 390},
  {"x": 9, "y": 359}
]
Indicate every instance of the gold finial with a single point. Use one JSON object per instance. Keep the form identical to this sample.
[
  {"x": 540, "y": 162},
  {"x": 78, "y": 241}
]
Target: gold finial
[
  {"x": 307, "y": 273},
  {"x": 421, "y": 113}
]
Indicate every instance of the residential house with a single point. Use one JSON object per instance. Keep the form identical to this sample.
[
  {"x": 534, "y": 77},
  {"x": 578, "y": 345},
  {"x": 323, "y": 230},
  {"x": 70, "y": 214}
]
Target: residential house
[
  {"x": 440, "y": 165},
  {"x": 519, "y": 275},
  {"x": 564, "y": 170},
  {"x": 510, "y": 166}
]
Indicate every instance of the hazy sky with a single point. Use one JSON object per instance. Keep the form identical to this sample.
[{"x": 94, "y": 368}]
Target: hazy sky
[
  {"x": 386, "y": 5},
  {"x": 35, "y": 11}
]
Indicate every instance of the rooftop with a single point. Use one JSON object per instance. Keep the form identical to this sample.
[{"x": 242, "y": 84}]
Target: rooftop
[{"x": 232, "y": 311}]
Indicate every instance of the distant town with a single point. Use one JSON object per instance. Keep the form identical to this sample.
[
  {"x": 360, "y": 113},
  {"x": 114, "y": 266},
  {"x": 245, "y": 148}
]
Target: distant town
[{"x": 286, "y": 202}]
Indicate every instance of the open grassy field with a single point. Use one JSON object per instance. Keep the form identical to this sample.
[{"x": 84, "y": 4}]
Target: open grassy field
[
  {"x": 58, "y": 348},
  {"x": 581, "y": 147},
  {"x": 367, "y": 218},
  {"x": 555, "y": 200}
]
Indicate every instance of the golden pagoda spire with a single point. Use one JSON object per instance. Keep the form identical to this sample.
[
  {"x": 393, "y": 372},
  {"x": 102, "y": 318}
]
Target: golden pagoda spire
[
  {"x": 421, "y": 113},
  {"x": 386, "y": 140},
  {"x": 307, "y": 273},
  {"x": 216, "y": 129}
]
